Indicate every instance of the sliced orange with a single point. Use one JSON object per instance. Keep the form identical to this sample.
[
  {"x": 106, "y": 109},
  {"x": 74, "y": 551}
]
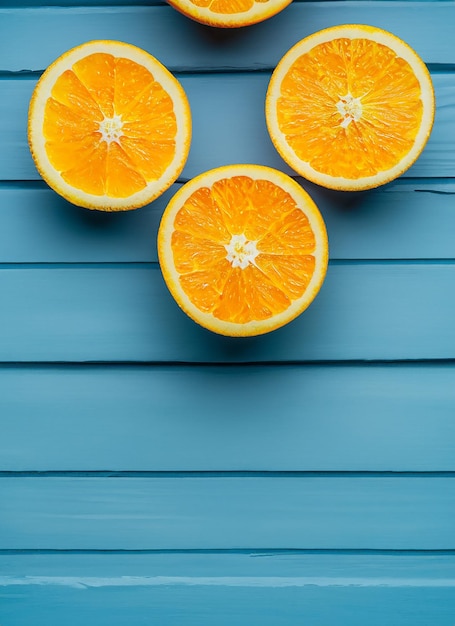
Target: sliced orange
[
  {"x": 350, "y": 107},
  {"x": 109, "y": 126},
  {"x": 229, "y": 13},
  {"x": 243, "y": 249}
]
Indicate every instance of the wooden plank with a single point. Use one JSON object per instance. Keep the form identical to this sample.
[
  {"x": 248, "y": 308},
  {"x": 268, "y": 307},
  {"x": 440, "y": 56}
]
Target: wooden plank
[
  {"x": 288, "y": 418},
  {"x": 39, "y": 226},
  {"x": 410, "y": 219},
  {"x": 54, "y": 30},
  {"x": 256, "y": 589},
  {"x": 15, "y": 4},
  {"x": 393, "y": 568},
  {"x": 226, "y": 512},
  {"x": 238, "y": 100},
  {"x": 367, "y": 311},
  {"x": 118, "y": 3}
]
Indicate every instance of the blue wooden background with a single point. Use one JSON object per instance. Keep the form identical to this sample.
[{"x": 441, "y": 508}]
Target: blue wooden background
[{"x": 152, "y": 473}]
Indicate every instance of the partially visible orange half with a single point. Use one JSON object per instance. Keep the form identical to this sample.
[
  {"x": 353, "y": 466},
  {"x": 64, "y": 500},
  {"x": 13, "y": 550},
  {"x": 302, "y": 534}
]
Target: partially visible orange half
[
  {"x": 243, "y": 249},
  {"x": 229, "y": 13},
  {"x": 109, "y": 126},
  {"x": 350, "y": 107}
]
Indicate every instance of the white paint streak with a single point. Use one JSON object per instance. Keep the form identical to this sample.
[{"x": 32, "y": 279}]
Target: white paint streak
[{"x": 221, "y": 581}]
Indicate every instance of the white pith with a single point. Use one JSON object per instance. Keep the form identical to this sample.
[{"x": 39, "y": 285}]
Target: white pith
[
  {"x": 350, "y": 109},
  {"x": 241, "y": 252},
  {"x": 111, "y": 129}
]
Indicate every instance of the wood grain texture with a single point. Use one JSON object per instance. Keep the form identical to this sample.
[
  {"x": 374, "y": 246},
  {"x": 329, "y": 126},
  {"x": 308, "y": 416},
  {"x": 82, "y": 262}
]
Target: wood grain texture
[
  {"x": 249, "y": 490},
  {"x": 179, "y": 418},
  {"x": 410, "y": 219},
  {"x": 328, "y": 568},
  {"x": 197, "y": 47},
  {"x": 15, "y": 4},
  {"x": 367, "y": 311},
  {"x": 242, "y": 137},
  {"x": 298, "y": 512},
  {"x": 256, "y": 589}
]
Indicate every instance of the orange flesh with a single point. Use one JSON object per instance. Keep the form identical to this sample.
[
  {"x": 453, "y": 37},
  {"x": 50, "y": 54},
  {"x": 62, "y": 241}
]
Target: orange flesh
[
  {"x": 391, "y": 108},
  {"x": 102, "y": 86},
  {"x": 266, "y": 215},
  {"x": 227, "y": 6}
]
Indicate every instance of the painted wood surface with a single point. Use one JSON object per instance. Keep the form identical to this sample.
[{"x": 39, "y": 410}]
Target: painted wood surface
[
  {"x": 228, "y": 512},
  {"x": 252, "y": 418},
  {"x": 367, "y": 311},
  {"x": 426, "y": 26},
  {"x": 152, "y": 472},
  {"x": 253, "y": 589}
]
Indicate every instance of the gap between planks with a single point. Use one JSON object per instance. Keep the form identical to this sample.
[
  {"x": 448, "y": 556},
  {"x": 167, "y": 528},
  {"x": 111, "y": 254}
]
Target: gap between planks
[{"x": 223, "y": 474}]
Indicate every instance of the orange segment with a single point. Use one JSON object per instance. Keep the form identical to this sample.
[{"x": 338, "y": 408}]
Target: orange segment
[
  {"x": 90, "y": 169},
  {"x": 97, "y": 73},
  {"x": 291, "y": 234},
  {"x": 70, "y": 92},
  {"x": 131, "y": 81},
  {"x": 139, "y": 152},
  {"x": 350, "y": 107},
  {"x": 197, "y": 254},
  {"x": 243, "y": 249},
  {"x": 122, "y": 177},
  {"x": 231, "y": 6},
  {"x": 109, "y": 126},
  {"x": 200, "y": 214},
  {"x": 229, "y": 13},
  {"x": 249, "y": 296},
  {"x": 292, "y": 273}
]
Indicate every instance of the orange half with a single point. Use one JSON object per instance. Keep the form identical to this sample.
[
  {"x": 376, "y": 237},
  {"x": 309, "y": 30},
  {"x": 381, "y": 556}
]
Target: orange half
[
  {"x": 243, "y": 249},
  {"x": 109, "y": 126},
  {"x": 350, "y": 107},
  {"x": 229, "y": 13}
]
